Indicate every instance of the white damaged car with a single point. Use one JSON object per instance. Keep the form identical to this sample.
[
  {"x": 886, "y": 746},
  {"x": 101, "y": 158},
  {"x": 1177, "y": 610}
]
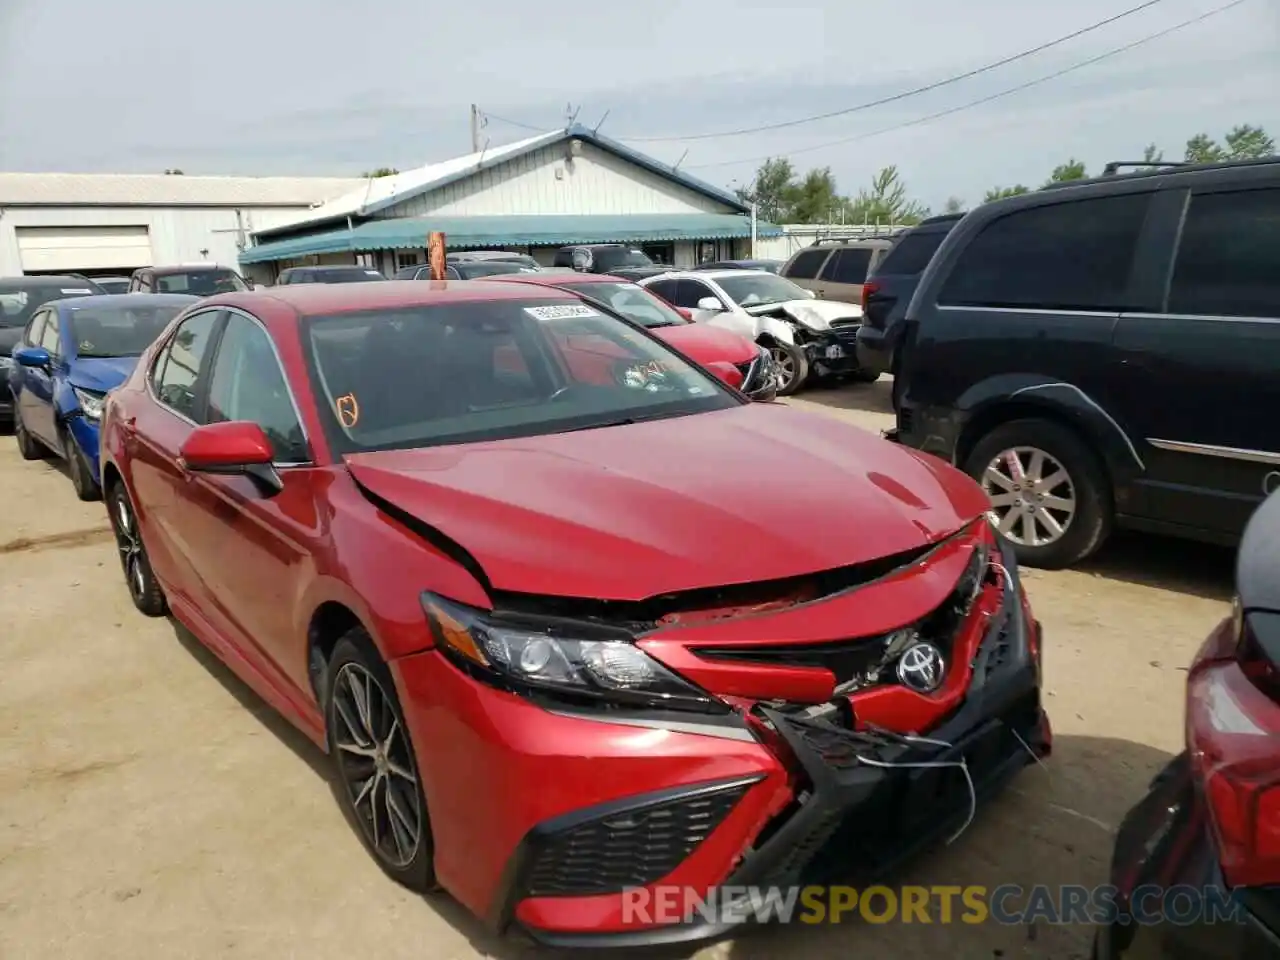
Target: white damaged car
[{"x": 809, "y": 338}]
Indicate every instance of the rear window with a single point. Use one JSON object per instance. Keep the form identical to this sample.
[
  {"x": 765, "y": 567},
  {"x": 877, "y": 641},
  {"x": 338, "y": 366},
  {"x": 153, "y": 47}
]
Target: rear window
[
  {"x": 18, "y": 300},
  {"x": 806, "y": 265},
  {"x": 200, "y": 283},
  {"x": 912, "y": 253}
]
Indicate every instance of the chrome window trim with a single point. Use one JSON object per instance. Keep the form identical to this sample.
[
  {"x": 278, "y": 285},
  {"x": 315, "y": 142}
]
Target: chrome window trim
[
  {"x": 966, "y": 308},
  {"x": 1213, "y": 450}
]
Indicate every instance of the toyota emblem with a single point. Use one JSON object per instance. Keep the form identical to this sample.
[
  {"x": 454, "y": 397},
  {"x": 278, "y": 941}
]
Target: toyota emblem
[{"x": 921, "y": 668}]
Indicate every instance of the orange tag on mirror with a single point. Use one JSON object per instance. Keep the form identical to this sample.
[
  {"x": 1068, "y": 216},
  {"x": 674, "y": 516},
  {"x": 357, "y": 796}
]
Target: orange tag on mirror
[{"x": 348, "y": 410}]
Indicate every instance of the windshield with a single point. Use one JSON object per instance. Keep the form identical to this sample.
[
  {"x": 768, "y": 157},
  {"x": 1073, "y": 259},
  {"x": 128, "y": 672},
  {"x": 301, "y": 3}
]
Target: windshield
[
  {"x": 519, "y": 258},
  {"x": 608, "y": 258},
  {"x": 200, "y": 283},
  {"x": 118, "y": 331},
  {"x": 120, "y": 285},
  {"x": 473, "y": 269},
  {"x": 749, "y": 290},
  {"x": 492, "y": 370},
  {"x": 18, "y": 300},
  {"x": 634, "y": 302}
]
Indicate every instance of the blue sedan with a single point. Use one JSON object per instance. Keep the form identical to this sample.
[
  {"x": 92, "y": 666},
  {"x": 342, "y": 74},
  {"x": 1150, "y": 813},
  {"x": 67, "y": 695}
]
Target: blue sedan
[{"x": 70, "y": 355}]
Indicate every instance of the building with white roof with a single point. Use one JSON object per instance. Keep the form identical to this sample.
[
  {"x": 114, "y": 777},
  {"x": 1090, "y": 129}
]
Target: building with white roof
[
  {"x": 570, "y": 186},
  {"x": 102, "y": 224}
]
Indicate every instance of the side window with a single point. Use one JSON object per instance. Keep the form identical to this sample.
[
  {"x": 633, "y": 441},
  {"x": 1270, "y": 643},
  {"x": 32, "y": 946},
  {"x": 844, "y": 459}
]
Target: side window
[
  {"x": 1063, "y": 256},
  {"x": 693, "y": 291},
  {"x": 51, "y": 336},
  {"x": 35, "y": 329},
  {"x": 452, "y": 274},
  {"x": 1228, "y": 262},
  {"x": 848, "y": 265},
  {"x": 666, "y": 289},
  {"x": 134, "y": 283},
  {"x": 806, "y": 265},
  {"x": 177, "y": 368},
  {"x": 564, "y": 257},
  {"x": 248, "y": 384},
  {"x": 144, "y": 283}
]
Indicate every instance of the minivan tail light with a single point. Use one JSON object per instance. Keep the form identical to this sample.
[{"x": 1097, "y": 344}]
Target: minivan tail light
[{"x": 1233, "y": 740}]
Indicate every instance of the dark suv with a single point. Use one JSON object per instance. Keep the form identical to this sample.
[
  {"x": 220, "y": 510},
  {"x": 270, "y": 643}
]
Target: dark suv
[
  {"x": 1106, "y": 352},
  {"x": 195, "y": 280},
  {"x": 888, "y": 290},
  {"x": 615, "y": 259},
  {"x": 330, "y": 274}
]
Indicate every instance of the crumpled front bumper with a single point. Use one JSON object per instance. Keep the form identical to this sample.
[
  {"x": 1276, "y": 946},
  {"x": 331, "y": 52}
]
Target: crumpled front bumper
[
  {"x": 853, "y": 822},
  {"x": 832, "y": 352}
]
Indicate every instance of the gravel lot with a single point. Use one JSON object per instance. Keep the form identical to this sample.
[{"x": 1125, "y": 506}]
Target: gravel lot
[{"x": 151, "y": 806}]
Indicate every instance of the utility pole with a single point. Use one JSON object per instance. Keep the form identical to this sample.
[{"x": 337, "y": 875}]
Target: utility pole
[{"x": 475, "y": 129}]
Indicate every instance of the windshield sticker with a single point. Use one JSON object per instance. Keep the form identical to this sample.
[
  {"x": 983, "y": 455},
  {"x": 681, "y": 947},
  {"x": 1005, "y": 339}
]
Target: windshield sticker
[
  {"x": 574, "y": 311},
  {"x": 348, "y": 410},
  {"x": 76, "y": 290}
]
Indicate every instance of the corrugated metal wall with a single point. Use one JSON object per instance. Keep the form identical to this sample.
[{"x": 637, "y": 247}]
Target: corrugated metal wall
[
  {"x": 177, "y": 234},
  {"x": 548, "y": 182}
]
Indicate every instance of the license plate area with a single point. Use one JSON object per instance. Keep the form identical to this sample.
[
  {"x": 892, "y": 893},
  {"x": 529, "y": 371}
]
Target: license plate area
[{"x": 835, "y": 352}]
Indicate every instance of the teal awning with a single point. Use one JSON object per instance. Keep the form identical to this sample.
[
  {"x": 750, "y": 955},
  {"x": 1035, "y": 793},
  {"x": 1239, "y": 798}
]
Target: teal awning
[{"x": 516, "y": 231}]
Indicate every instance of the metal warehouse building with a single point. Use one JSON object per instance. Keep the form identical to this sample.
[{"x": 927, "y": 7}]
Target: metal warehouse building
[
  {"x": 564, "y": 187},
  {"x": 111, "y": 224}
]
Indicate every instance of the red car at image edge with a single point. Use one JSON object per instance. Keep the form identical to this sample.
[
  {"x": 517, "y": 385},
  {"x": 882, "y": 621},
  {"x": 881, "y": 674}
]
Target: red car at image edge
[
  {"x": 698, "y": 341},
  {"x": 568, "y": 614}
]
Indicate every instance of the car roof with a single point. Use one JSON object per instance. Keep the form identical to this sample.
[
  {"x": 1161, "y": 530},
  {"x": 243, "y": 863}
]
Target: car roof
[
  {"x": 570, "y": 279},
  {"x": 307, "y": 299},
  {"x": 705, "y": 274},
  {"x": 58, "y": 280},
  {"x": 186, "y": 267},
  {"x": 127, "y": 299}
]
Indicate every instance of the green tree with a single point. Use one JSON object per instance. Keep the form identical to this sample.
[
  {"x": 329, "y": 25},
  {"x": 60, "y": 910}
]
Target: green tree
[
  {"x": 1249, "y": 143},
  {"x": 1073, "y": 169},
  {"x": 1152, "y": 154},
  {"x": 380, "y": 172},
  {"x": 815, "y": 199},
  {"x": 886, "y": 202},
  {"x": 954, "y": 205},
  {"x": 772, "y": 190},
  {"x": 1202, "y": 149},
  {"x": 999, "y": 193}
]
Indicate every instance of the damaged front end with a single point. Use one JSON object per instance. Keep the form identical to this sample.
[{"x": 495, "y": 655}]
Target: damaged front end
[{"x": 828, "y": 337}]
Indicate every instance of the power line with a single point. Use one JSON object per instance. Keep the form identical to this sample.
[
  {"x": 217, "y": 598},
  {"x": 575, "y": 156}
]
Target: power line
[
  {"x": 908, "y": 93},
  {"x": 513, "y": 123},
  {"x": 988, "y": 99}
]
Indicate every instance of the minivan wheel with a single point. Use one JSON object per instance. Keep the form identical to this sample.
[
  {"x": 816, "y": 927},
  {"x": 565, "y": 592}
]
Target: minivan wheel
[
  {"x": 792, "y": 367},
  {"x": 378, "y": 782},
  {"x": 1049, "y": 494}
]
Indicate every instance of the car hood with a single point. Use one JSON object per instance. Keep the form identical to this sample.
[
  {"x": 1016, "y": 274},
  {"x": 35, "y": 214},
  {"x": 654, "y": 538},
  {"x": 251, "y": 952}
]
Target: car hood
[
  {"x": 707, "y": 344},
  {"x": 754, "y": 493},
  {"x": 815, "y": 314},
  {"x": 101, "y": 374}
]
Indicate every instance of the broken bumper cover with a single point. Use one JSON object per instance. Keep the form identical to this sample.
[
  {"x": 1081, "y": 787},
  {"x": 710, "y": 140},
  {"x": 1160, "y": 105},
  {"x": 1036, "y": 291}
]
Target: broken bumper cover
[
  {"x": 857, "y": 822},
  {"x": 833, "y": 352}
]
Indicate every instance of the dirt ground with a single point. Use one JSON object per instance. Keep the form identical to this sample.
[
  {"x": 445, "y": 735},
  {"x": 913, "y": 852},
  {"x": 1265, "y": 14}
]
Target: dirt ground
[{"x": 151, "y": 806}]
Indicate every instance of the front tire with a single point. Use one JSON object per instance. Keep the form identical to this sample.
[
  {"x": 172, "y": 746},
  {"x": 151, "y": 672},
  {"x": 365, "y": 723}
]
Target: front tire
[
  {"x": 791, "y": 365},
  {"x": 144, "y": 589},
  {"x": 29, "y": 448},
  {"x": 1050, "y": 496},
  {"x": 82, "y": 480},
  {"x": 377, "y": 771}
]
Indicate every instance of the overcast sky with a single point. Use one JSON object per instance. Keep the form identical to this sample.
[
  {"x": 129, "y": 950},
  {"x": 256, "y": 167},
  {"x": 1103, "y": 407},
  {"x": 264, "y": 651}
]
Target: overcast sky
[{"x": 331, "y": 87}]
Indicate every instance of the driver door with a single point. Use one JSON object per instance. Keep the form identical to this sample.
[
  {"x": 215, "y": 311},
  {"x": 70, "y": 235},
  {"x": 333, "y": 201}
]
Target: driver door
[{"x": 39, "y": 385}]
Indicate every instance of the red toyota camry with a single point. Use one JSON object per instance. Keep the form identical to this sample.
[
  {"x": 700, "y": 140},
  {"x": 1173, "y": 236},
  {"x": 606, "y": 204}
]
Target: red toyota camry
[
  {"x": 698, "y": 341},
  {"x": 572, "y": 618}
]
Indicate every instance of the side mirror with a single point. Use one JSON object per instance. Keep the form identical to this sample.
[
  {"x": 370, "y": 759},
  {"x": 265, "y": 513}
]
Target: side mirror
[
  {"x": 727, "y": 372},
  {"x": 236, "y": 448},
  {"x": 37, "y": 357},
  {"x": 710, "y": 303}
]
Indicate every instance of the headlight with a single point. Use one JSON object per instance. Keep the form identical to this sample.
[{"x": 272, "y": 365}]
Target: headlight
[
  {"x": 90, "y": 403},
  {"x": 568, "y": 660}
]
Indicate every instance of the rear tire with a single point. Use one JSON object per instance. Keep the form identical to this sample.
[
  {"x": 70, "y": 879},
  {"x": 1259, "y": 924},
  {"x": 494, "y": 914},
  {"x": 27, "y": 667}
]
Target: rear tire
[
  {"x": 81, "y": 477},
  {"x": 378, "y": 784},
  {"x": 1060, "y": 510},
  {"x": 29, "y": 448},
  {"x": 792, "y": 367}
]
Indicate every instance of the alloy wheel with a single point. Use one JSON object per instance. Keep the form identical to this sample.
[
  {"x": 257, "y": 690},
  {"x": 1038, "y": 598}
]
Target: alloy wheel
[
  {"x": 129, "y": 544},
  {"x": 1033, "y": 500},
  {"x": 376, "y": 766},
  {"x": 785, "y": 365}
]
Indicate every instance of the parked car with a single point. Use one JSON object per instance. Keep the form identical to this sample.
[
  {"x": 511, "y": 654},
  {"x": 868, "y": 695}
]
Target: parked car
[
  {"x": 564, "y": 625},
  {"x": 112, "y": 284},
  {"x": 20, "y": 298},
  {"x": 700, "y": 342},
  {"x": 328, "y": 274},
  {"x": 769, "y": 266},
  {"x": 836, "y": 268},
  {"x": 1105, "y": 354},
  {"x": 464, "y": 270},
  {"x": 1209, "y": 823},
  {"x": 809, "y": 339},
  {"x": 889, "y": 287},
  {"x": 616, "y": 259},
  {"x": 501, "y": 256},
  {"x": 191, "y": 279},
  {"x": 72, "y": 352}
]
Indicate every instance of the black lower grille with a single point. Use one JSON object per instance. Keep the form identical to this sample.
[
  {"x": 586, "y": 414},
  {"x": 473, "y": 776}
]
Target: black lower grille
[{"x": 628, "y": 848}]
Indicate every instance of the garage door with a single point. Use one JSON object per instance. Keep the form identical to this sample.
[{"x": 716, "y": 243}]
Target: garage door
[{"x": 45, "y": 249}]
